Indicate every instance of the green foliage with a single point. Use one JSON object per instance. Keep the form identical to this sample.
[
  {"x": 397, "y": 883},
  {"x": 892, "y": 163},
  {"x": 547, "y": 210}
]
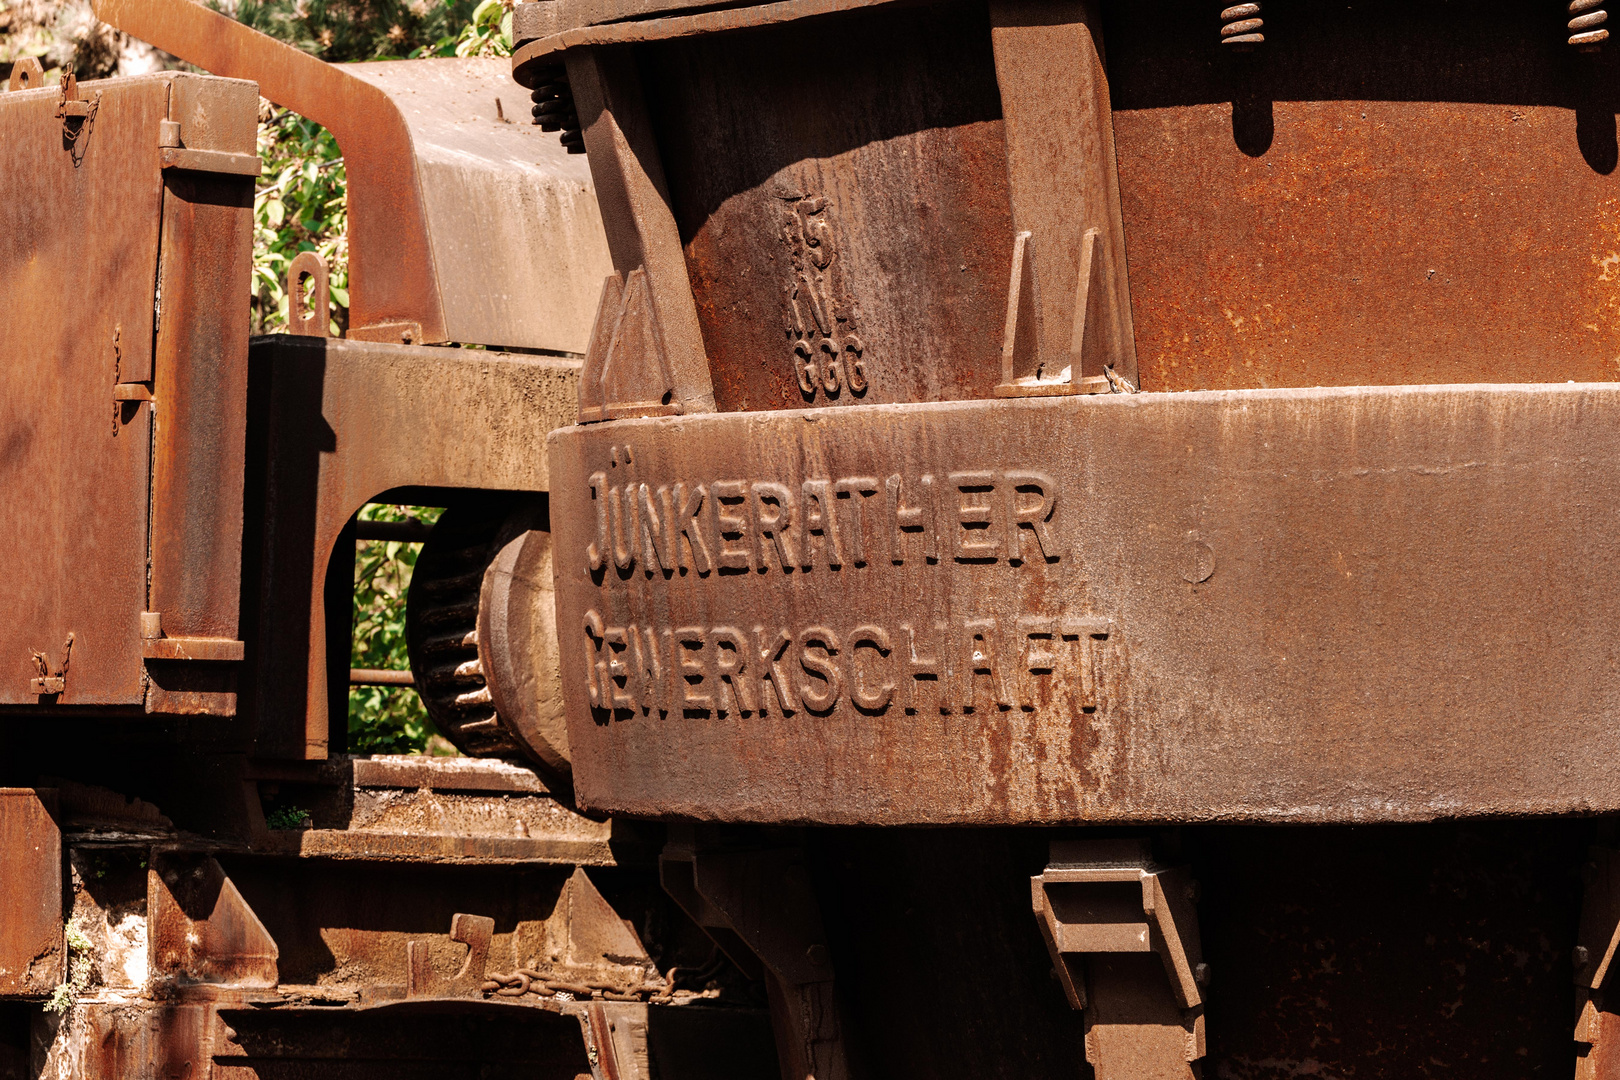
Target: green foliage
[
  {"x": 385, "y": 719},
  {"x": 300, "y": 205},
  {"x": 487, "y": 33},
  {"x": 286, "y": 817},
  {"x": 81, "y": 966},
  {"x": 343, "y": 30}
]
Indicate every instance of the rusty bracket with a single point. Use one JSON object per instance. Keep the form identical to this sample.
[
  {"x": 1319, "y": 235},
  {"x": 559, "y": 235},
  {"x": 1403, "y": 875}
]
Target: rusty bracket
[
  {"x": 626, "y": 358},
  {"x": 312, "y": 319},
  {"x": 26, "y": 74},
  {"x": 1597, "y": 1027},
  {"x": 49, "y": 683},
  {"x": 156, "y": 645},
  {"x": 78, "y": 116},
  {"x": 760, "y": 909},
  {"x": 473, "y": 931},
  {"x": 1124, "y": 941},
  {"x": 1030, "y": 370}
]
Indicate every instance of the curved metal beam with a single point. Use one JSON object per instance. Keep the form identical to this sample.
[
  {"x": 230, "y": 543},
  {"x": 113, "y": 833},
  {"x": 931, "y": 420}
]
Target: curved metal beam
[{"x": 393, "y": 286}]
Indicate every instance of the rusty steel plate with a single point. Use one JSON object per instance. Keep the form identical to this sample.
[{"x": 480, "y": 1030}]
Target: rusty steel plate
[
  {"x": 80, "y": 252},
  {"x": 1424, "y": 194},
  {"x": 1309, "y": 605}
]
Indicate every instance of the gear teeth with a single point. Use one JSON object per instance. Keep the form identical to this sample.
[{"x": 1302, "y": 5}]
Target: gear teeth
[{"x": 441, "y": 633}]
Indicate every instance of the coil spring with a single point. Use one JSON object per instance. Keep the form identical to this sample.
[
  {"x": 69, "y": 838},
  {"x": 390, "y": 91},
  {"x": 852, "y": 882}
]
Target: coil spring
[
  {"x": 1586, "y": 24},
  {"x": 554, "y": 107},
  {"x": 1243, "y": 25}
]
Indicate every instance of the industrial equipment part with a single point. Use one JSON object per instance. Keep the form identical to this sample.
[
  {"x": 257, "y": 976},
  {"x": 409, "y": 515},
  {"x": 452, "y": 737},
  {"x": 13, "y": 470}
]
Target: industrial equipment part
[
  {"x": 127, "y": 236},
  {"x": 464, "y": 225},
  {"x": 1123, "y": 935},
  {"x": 880, "y": 509}
]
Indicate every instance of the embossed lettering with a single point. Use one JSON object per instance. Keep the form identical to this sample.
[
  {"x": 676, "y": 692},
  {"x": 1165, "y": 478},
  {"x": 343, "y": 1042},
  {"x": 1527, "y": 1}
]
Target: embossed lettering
[
  {"x": 694, "y": 552},
  {"x": 596, "y": 550},
  {"x": 595, "y": 669},
  {"x": 873, "y": 639},
  {"x": 821, "y": 525},
  {"x": 977, "y": 536},
  {"x": 905, "y": 519},
  {"x": 857, "y": 489},
  {"x": 657, "y": 532},
  {"x": 983, "y": 659},
  {"x": 920, "y": 668},
  {"x": 771, "y": 652},
  {"x": 729, "y": 495},
  {"x": 817, "y": 647},
  {"x": 618, "y": 674},
  {"x": 773, "y": 518},
  {"x": 694, "y": 667},
  {"x": 1018, "y": 486},
  {"x": 622, "y": 516},
  {"x": 652, "y": 667},
  {"x": 729, "y": 650}
]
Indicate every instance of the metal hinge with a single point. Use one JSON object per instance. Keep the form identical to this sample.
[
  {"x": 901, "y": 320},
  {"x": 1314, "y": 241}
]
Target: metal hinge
[
  {"x": 173, "y": 154},
  {"x": 156, "y": 645}
]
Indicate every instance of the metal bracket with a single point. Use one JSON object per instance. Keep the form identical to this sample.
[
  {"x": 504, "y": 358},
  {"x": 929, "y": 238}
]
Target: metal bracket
[
  {"x": 759, "y": 908},
  {"x": 48, "y": 683},
  {"x": 1597, "y": 1028},
  {"x": 156, "y": 645},
  {"x": 1030, "y": 369},
  {"x": 473, "y": 931},
  {"x": 1124, "y": 940},
  {"x": 26, "y": 74},
  {"x": 312, "y": 319},
  {"x": 78, "y": 116}
]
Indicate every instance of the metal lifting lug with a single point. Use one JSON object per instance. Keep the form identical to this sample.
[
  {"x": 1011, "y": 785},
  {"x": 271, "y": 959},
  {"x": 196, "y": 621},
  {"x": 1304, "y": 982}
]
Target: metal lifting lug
[{"x": 1123, "y": 935}]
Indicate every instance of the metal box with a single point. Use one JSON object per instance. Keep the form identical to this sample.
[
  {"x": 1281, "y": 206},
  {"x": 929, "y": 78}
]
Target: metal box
[{"x": 123, "y": 342}]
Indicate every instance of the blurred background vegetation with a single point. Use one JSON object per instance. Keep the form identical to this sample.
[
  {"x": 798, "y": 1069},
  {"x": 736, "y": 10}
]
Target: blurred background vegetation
[{"x": 300, "y": 206}]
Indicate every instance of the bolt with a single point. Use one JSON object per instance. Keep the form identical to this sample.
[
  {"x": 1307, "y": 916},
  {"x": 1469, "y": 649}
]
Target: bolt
[
  {"x": 1201, "y": 974},
  {"x": 1580, "y": 956}
]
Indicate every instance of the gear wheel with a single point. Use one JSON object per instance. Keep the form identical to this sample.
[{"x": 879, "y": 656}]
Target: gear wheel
[{"x": 441, "y": 627}]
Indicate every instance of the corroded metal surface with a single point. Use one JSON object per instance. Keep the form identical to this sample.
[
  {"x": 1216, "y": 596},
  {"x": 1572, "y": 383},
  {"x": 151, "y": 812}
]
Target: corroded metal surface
[
  {"x": 1401, "y": 198},
  {"x": 344, "y": 422},
  {"x": 424, "y": 144},
  {"x": 1280, "y": 605},
  {"x": 72, "y": 457},
  {"x": 33, "y": 956},
  {"x": 830, "y": 222},
  {"x": 122, "y": 522}
]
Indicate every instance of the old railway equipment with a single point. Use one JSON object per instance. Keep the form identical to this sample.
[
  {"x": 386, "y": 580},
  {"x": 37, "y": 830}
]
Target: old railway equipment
[{"x": 1172, "y": 480}]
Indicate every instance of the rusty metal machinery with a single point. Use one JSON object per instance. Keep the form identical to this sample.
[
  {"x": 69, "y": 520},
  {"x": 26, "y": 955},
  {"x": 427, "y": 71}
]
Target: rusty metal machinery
[
  {"x": 1077, "y": 545},
  {"x": 1126, "y": 416}
]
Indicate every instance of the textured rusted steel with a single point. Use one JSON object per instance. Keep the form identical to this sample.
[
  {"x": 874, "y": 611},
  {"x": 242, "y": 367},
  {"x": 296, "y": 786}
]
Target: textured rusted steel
[
  {"x": 832, "y": 224},
  {"x": 423, "y": 143},
  {"x": 1406, "y": 198},
  {"x": 1287, "y": 605},
  {"x": 73, "y": 461},
  {"x": 395, "y": 296},
  {"x": 200, "y": 383},
  {"x": 122, "y": 521},
  {"x": 344, "y": 422},
  {"x": 33, "y": 957}
]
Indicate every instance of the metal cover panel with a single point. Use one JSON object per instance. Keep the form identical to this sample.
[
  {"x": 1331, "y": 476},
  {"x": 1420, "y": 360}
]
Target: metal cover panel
[
  {"x": 1310, "y": 605},
  {"x": 1420, "y": 196},
  {"x": 79, "y": 243},
  {"x": 31, "y": 951},
  {"x": 516, "y": 236}
]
